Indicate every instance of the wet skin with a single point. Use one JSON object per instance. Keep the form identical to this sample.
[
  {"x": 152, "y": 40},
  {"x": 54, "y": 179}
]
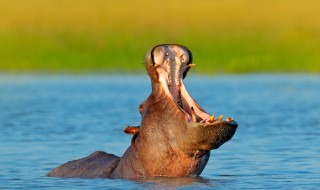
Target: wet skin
[{"x": 175, "y": 136}]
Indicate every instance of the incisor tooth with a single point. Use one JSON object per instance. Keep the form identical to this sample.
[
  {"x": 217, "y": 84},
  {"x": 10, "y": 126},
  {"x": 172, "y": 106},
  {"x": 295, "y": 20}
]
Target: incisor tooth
[
  {"x": 229, "y": 119},
  {"x": 211, "y": 119},
  {"x": 193, "y": 115},
  {"x": 220, "y": 117}
]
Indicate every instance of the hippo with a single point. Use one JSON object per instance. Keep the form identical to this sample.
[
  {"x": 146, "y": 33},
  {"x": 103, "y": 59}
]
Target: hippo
[{"x": 175, "y": 135}]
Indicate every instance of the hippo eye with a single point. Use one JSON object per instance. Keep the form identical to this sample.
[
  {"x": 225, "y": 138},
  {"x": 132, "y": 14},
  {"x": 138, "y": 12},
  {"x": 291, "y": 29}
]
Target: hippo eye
[{"x": 141, "y": 107}]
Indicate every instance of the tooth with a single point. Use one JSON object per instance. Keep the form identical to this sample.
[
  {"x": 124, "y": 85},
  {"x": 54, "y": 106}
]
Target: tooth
[
  {"x": 191, "y": 65},
  {"x": 193, "y": 115},
  {"x": 229, "y": 119},
  {"x": 211, "y": 119},
  {"x": 220, "y": 118}
]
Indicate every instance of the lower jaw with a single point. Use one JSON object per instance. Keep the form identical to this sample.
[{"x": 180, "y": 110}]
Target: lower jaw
[
  {"x": 191, "y": 109},
  {"x": 183, "y": 104}
]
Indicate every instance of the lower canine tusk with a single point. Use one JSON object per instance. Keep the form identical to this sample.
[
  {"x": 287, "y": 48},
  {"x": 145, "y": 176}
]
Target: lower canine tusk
[{"x": 191, "y": 65}]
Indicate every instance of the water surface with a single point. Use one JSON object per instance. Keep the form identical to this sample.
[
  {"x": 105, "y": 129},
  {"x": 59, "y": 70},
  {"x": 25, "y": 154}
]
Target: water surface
[{"x": 48, "y": 120}]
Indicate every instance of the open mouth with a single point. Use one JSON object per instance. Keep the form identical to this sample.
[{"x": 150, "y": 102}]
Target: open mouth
[{"x": 172, "y": 62}]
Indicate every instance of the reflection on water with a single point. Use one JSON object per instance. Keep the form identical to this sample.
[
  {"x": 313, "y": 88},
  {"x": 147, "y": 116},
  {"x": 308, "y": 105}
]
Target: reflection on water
[
  {"x": 172, "y": 183},
  {"x": 48, "y": 120}
]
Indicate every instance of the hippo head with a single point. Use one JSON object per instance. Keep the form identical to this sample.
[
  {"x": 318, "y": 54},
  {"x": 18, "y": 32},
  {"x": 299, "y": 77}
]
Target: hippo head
[{"x": 176, "y": 135}]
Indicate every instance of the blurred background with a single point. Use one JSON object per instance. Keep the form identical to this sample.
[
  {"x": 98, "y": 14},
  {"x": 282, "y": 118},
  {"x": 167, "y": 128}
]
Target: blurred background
[
  {"x": 229, "y": 36},
  {"x": 68, "y": 86}
]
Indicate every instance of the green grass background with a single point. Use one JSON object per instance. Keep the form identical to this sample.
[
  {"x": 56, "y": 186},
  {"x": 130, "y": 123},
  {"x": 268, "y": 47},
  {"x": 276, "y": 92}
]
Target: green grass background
[{"x": 225, "y": 36}]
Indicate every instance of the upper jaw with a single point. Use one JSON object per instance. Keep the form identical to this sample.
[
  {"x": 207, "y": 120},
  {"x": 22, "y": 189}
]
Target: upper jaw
[{"x": 171, "y": 64}]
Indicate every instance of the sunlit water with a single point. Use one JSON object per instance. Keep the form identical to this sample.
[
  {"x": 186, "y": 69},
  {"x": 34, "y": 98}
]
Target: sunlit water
[{"x": 48, "y": 120}]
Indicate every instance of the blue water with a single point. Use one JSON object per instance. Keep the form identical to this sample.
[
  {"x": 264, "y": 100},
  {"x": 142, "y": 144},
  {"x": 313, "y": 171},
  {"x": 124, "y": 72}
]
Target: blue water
[{"x": 48, "y": 120}]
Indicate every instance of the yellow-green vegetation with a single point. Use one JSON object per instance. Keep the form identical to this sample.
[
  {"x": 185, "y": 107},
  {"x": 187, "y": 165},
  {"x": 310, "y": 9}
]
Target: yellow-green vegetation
[{"x": 229, "y": 36}]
